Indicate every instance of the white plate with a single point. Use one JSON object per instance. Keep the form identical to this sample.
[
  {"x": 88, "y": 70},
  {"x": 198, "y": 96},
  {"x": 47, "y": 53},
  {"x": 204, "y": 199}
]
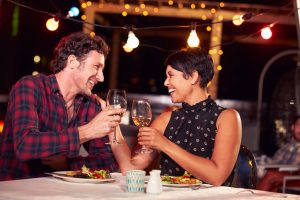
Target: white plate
[
  {"x": 62, "y": 175},
  {"x": 181, "y": 185}
]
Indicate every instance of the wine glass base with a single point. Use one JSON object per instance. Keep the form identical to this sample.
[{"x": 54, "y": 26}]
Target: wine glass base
[
  {"x": 114, "y": 142},
  {"x": 143, "y": 151}
]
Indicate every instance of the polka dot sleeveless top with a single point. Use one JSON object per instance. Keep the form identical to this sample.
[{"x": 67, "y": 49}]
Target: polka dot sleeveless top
[{"x": 193, "y": 128}]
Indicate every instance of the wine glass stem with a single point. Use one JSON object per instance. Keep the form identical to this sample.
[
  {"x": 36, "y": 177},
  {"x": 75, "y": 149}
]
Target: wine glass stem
[{"x": 115, "y": 136}]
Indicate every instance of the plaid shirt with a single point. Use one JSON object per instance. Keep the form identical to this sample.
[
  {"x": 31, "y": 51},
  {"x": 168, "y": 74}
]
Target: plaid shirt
[
  {"x": 36, "y": 127},
  {"x": 288, "y": 154}
]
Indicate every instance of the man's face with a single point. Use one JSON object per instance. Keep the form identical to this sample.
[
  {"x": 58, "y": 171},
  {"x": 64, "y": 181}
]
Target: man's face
[
  {"x": 90, "y": 72},
  {"x": 296, "y": 130}
]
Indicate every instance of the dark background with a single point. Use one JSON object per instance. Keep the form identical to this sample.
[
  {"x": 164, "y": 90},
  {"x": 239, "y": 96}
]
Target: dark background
[{"x": 141, "y": 71}]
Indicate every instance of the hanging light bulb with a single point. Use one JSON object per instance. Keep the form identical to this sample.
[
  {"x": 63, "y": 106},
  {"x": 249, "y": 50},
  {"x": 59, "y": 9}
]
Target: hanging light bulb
[
  {"x": 266, "y": 33},
  {"x": 237, "y": 20},
  {"x": 73, "y": 12},
  {"x": 132, "y": 41},
  {"x": 127, "y": 49},
  {"x": 52, "y": 24},
  {"x": 193, "y": 40}
]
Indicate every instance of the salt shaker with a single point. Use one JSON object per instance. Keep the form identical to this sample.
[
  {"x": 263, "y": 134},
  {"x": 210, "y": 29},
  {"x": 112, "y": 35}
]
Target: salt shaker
[{"x": 154, "y": 184}]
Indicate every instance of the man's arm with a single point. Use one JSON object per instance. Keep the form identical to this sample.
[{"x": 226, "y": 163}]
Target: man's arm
[{"x": 29, "y": 142}]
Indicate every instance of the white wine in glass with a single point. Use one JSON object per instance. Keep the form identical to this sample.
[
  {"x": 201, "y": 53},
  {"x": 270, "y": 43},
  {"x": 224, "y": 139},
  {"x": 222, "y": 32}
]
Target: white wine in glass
[
  {"x": 141, "y": 115},
  {"x": 116, "y": 99}
]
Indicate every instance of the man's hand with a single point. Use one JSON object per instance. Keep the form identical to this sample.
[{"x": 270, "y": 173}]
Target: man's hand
[{"x": 102, "y": 124}]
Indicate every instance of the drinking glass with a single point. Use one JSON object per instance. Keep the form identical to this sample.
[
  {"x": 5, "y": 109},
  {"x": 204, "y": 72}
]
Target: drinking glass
[
  {"x": 141, "y": 115},
  {"x": 116, "y": 99}
]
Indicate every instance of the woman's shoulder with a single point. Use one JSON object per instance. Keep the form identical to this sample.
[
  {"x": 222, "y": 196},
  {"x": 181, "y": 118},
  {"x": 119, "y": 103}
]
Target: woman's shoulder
[
  {"x": 162, "y": 120},
  {"x": 229, "y": 115}
]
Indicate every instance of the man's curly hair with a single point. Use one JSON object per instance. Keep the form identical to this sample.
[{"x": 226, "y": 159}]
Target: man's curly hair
[{"x": 78, "y": 44}]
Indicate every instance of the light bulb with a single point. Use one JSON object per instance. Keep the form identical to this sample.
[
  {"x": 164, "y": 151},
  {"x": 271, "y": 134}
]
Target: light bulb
[
  {"x": 52, "y": 24},
  {"x": 132, "y": 41},
  {"x": 266, "y": 33},
  {"x": 74, "y": 12},
  {"x": 193, "y": 40},
  {"x": 237, "y": 20},
  {"x": 127, "y": 49}
]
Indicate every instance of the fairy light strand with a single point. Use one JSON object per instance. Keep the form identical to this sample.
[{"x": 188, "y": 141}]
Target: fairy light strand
[{"x": 246, "y": 16}]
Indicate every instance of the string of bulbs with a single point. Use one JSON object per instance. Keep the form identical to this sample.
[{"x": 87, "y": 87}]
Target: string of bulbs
[{"x": 133, "y": 41}]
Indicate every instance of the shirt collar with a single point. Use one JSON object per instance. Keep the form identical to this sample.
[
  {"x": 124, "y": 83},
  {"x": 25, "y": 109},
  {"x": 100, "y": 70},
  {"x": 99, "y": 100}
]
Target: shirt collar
[
  {"x": 54, "y": 84},
  {"x": 55, "y": 88},
  {"x": 198, "y": 106}
]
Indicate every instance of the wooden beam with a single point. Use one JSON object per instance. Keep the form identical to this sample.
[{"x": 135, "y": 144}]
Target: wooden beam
[{"x": 167, "y": 11}]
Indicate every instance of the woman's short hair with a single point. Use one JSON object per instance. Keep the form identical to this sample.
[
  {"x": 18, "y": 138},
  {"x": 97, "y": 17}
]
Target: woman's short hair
[{"x": 192, "y": 59}]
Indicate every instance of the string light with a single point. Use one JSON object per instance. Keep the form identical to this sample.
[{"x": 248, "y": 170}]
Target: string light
[
  {"x": 54, "y": 21},
  {"x": 127, "y": 49},
  {"x": 1, "y": 126},
  {"x": 193, "y": 40},
  {"x": 36, "y": 59},
  {"x": 73, "y": 12},
  {"x": 35, "y": 73},
  {"x": 237, "y": 20},
  {"x": 127, "y": 6},
  {"x": 52, "y": 24},
  {"x": 266, "y": 33},
  {"x": 132, "y": 41}
]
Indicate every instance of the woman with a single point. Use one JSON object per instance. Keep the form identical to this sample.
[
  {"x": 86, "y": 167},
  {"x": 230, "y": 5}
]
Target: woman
[{"x": 201, "y": 137}]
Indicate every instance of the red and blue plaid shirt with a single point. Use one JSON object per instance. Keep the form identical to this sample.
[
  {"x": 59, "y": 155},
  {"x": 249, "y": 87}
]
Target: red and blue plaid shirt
[{"x": 36, "y": 126}]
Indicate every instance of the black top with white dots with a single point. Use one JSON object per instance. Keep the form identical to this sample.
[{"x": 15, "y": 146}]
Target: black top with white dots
[{"x": 193, "y": 128}]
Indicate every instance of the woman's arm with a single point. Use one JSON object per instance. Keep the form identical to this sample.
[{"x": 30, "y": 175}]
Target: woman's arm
[
  {"x": 130, "y": 160},
  {"x": 227, "y": 145}
]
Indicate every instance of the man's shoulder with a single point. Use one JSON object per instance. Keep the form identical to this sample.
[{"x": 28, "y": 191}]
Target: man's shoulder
[{"x": 32, "y": 79}]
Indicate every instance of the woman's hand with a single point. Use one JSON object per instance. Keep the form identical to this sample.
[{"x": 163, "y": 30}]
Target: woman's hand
[{"x": 152, "y": 138}]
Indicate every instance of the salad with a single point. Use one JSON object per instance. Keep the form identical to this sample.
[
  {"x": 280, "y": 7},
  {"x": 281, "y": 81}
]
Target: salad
[
  {"x": 88, "y": 173},
  {"x": 186, "y": 178}
]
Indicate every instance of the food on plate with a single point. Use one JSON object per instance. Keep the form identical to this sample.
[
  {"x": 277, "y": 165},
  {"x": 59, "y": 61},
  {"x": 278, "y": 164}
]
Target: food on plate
[
  {"x": 184, "y": 179},
  {"x": 88, "y": 173}
]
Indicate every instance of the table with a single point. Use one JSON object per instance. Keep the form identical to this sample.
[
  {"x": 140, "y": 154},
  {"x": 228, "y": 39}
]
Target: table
[
  {"x": 279, "y": 167},
  {"x": 261, "y": 168},
  {"x": 50, "y": 188}
]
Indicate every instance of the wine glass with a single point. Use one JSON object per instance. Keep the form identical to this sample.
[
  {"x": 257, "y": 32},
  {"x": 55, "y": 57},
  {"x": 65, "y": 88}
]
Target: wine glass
[
  {"x": 141, "y": 115},
  {"x": 116, "y": 99}
]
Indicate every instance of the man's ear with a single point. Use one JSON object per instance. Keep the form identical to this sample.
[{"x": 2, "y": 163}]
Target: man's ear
[
  {"x": 72, "y": 61},
  {"x": 195, "y": 77}
]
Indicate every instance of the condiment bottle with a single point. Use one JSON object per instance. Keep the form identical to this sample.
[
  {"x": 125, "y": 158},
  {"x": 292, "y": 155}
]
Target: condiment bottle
[{"x": 154, "y": 184}]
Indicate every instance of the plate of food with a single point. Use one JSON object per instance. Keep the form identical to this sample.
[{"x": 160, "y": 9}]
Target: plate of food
[
  {"x": 85, "y": 175},
  {"x": 180, "y": 181}
]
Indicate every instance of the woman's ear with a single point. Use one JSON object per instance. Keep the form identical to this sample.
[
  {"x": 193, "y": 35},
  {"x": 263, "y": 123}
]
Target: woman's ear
[
  {"x": 195, "y": 77},
  {"x": 72, "y": 62}
]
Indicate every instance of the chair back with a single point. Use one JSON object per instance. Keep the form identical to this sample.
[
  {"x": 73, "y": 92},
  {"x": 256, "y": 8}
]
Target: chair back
[{"x": 244, "y": 174}]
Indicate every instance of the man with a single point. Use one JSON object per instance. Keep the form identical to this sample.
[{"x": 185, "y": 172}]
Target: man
[
  {"x": 49, "y": 117},
  {"x": 288, "y": 154}
]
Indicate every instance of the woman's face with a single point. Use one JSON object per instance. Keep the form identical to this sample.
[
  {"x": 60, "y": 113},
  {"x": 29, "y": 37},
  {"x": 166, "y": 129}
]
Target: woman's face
[{"x": 179, "y": 87}]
